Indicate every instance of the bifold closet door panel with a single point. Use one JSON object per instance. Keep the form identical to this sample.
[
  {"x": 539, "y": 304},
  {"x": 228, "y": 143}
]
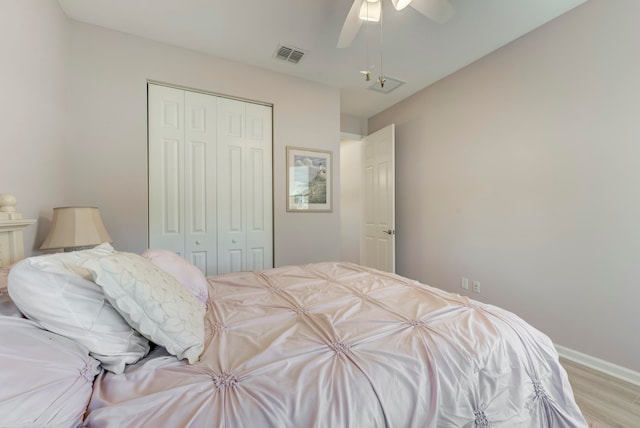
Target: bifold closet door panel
[
  {"x": 182, "y": 174},
  {"x": 166, "y": 168},
  {"x": 232, "y": 189},
  {"x": 200, "y": 221},
  {"x": 245, "y": 213},
  {"x": 259, "y": 187}
]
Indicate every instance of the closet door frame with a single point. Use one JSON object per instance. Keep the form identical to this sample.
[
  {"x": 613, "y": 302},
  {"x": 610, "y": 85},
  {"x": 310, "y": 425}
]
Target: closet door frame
[{"x": 254, "y": 189}]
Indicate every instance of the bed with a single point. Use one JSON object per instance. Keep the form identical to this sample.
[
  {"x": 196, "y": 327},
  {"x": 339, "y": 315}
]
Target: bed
[{"x": 105, "y": 338}]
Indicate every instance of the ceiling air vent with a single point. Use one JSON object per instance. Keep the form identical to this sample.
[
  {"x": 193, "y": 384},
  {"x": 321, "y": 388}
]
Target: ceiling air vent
[
  {"x": 390, "y": 83},
  {"x": 289, "y": 54}
]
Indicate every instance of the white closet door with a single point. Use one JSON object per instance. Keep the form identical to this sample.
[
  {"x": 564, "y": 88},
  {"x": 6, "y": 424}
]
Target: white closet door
[
  {"x": 210, "y": 180},
  {"x": 259, "y": 188},
  {"x": 245, "y": 214},
  {"x": 232, "y": 189},
  {"x": 166, "y": 168},
  {"x": 200, "y": 181}
]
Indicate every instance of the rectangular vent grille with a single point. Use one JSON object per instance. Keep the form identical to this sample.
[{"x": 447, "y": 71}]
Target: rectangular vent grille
[
  {"x": 289, "y": 54},
  {"x": 390, "y": 84}
]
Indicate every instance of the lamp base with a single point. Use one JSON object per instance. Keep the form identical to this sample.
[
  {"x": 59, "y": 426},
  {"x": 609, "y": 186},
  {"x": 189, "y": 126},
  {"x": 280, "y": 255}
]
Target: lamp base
[{"x": 84, "y": 247}]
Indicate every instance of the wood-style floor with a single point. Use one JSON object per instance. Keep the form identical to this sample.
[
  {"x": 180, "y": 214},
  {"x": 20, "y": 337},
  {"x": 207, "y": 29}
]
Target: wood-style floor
[{"x": 605, "y": 401}]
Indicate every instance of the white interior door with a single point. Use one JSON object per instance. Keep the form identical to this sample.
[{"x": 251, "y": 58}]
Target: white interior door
[{"x": 377, "y": 246}]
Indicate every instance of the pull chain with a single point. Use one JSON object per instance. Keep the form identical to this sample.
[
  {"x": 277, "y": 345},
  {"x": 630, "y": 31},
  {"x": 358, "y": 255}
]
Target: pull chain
[
  {"x": 367, "y": 68},
  {"x": 381, "y": 79}
]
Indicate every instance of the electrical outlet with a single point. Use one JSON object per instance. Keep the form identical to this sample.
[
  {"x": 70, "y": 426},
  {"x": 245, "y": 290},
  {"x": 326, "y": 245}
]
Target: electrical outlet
[
  {"x": 476, "y": 286},
  {"x": 464, "y": 283}
]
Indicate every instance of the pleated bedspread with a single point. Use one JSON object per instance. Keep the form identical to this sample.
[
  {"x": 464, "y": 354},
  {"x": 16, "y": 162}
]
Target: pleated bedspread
[{"x": 340, "y": 345}]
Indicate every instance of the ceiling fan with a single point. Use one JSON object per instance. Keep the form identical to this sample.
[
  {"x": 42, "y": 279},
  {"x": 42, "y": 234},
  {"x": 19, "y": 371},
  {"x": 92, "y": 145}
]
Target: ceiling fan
[{"x": 439, "y": 11}]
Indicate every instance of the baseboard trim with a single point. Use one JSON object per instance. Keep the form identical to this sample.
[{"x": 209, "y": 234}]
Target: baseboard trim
[{"x": 603, "y": 366}]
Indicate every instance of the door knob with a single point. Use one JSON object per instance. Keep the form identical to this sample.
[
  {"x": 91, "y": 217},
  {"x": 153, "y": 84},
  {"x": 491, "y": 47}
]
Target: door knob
[
  {"x": 390, "y": 232},
  {"x": 197, "y": 242}
]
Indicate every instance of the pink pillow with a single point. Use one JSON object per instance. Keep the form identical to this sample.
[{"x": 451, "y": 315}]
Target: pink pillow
[{"x": 187, "y": 274}]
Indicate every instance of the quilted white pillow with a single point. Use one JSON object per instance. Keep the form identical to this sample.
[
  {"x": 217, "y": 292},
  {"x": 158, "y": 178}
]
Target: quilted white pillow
[
  {"x": 60, "y": 296},
  {"x": 189, "y": 275},
  {"x": 153, "y": 302},
  {"x": 46, "y": 378}
]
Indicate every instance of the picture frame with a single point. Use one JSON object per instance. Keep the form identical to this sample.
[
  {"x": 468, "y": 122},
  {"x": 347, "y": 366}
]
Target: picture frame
[{"x": 309, "y": 180}]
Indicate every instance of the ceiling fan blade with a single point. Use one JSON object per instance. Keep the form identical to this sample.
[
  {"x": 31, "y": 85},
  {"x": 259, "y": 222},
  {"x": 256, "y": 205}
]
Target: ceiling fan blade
[
  {"x": 351, "y": 25},
  {"x": 439, "y": 11}
]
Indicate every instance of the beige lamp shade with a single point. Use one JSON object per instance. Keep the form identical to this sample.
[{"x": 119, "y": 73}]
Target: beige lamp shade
[{"x": 74, "y": 227}]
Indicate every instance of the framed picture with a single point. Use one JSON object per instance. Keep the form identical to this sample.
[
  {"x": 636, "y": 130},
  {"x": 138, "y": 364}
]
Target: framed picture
[{"x": 308, "y": 180}]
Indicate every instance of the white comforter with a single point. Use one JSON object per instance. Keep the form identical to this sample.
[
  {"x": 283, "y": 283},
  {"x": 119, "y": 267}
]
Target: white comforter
[{"x": 339, "y": 345}]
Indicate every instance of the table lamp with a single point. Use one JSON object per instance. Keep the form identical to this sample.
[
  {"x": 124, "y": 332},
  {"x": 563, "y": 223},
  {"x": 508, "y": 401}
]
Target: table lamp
[{"x": 75, "y": 228}]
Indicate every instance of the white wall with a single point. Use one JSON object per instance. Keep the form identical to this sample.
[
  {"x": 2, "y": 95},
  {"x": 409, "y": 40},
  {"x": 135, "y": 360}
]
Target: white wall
[
  {"x": 353, "y": 125},
  {"x": 522, "y": 171},
  {"x": 107, "y": 108},
  {"x": 33, "y": 53}
]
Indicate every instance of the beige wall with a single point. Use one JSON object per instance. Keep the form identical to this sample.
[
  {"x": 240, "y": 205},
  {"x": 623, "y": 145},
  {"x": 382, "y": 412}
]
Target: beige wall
[
  {"x": 353, "y": 125},
  {"x": 350, "y": 200},
  {"x": 108, "y": 134},
  {"x": 33, "y": 53},
  {"x": 522, "y": 171}
]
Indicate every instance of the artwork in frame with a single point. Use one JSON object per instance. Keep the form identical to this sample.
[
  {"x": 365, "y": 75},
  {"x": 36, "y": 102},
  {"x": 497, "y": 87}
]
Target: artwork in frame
[{"x": 308, "y": 180}]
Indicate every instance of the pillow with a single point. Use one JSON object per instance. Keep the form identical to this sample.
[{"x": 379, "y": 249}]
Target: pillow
[
  {"x": 7, "y": 306},
  {"x": 46, "y": 378},
  {"x": 187, "y": 274},
  {"x": 153, "y": 302},
  {"x": 60, "y": 296}
]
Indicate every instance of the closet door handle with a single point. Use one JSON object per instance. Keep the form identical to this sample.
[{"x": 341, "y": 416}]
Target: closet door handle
[{"x": 390, "y": 232}]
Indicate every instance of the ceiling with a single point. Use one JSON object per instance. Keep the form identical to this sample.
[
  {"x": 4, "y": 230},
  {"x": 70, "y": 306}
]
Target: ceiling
[{"x": 415, "y": 50}]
